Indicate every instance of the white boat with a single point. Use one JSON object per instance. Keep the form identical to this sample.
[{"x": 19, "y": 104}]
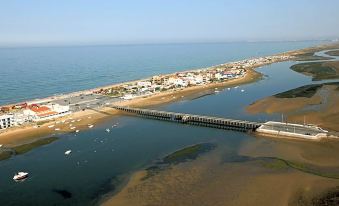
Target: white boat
[
  {"x": 90, "y": 125},
  {"x": 242, "y": 90},
  {"x": 51, "y": 126},
  {"x": 72, "y": 127},
  {"x": 77, "y": 131},
  {"x": 57, "y": 129},
  {"x": 68, "y": 152},
  {"x": 108, "y": 130},
  {"x": 20, "y": 176}
]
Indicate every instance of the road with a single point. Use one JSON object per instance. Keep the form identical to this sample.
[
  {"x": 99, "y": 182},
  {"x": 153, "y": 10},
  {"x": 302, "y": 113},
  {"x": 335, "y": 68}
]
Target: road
[
  {"x": 85, "y": 101},
  {"x": 293, "y": 128}
]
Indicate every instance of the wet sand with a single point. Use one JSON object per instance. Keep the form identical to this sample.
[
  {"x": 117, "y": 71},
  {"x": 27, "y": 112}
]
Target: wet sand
[{"x": 211, "y": 181}]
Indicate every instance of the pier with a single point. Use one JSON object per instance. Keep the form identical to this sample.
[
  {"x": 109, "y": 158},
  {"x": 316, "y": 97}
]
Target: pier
[{"x": 199, "y": 120}]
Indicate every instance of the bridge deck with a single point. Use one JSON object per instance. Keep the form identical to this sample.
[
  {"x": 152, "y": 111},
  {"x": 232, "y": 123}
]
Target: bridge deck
[{"x": 207, "y": 121}]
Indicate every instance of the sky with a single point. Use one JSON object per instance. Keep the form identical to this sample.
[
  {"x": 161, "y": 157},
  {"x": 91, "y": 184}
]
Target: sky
[{"x": 88, "y": 22}]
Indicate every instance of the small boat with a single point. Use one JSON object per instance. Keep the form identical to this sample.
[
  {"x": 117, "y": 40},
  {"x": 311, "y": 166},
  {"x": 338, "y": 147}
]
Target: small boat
[
  {"x": 57, "y": 129},
  {"x": 108, "y": 130},
  {"x": 0, "y": 145},
  {"x": 77, "y": 131},
  {"x": 78, "y": 120},
  {"x": 51, "y": 126},
  {"x": 216, "y": 91},
  {"x": 73, "y": 121},
  {"x": 20, "y": 176},
  {"x": 242, "y": 90},
  {"x": 68, "y": 152},
  {"x": 72, "y": 127},
  {"x": 228, "y": 89},
  {"x": 90, "y": 125}
]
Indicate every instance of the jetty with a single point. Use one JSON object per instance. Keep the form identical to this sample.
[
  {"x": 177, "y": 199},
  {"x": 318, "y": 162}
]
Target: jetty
[{"x": 275, "y": 129}]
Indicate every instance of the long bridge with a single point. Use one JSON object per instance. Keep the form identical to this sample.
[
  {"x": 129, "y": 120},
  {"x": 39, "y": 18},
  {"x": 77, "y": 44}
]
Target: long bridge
[{"x": 207, "y": 121}]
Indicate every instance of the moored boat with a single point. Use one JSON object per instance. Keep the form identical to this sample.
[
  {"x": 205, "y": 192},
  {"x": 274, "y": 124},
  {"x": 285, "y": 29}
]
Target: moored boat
[{"x": 20, "y": 176}]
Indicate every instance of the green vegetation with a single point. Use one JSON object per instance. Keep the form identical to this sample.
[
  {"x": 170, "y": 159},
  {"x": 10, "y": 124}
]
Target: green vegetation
[
  {"x": 318, "y": 70},
  {"x": 277, "y": 163},
  {"x": 187, "y": 153},
  {"x": 333, "y": 53},
  {"x": 304, "y": 91},
  {"x": 28, "y": 147},
  {"x": 6, "y": 153},
  {"x": 306, "y": 169},
  {"x": 309, "y": 56},
  {"x": 182, "y": 155}
]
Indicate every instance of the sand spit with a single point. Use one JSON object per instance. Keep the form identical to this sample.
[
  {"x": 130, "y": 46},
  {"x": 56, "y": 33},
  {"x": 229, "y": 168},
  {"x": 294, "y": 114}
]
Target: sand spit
[{"x": 21, "y": 135}]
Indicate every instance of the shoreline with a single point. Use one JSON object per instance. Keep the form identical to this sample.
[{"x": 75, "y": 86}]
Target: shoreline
[
  {"x": 21, "y": 135},
  {"x": 24, "y": 134},
  {"x": 294, "y": 54}
]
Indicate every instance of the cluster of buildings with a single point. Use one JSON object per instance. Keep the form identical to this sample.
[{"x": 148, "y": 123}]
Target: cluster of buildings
[
  {"x": 23, "y": 113},
  {"x": 160, "y": 83},
  {"x": 178, "y": 80},
  {"x": 255, "y": 62}
]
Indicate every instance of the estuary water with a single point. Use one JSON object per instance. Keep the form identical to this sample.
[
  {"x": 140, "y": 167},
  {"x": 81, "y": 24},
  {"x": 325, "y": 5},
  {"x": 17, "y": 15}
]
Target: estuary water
[
  {"x": 29, "y": 73},
  {"x": 100, "y": 161}
]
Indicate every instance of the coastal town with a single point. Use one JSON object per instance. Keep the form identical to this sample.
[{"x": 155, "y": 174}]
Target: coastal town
[{"x": 40, "y": 111}]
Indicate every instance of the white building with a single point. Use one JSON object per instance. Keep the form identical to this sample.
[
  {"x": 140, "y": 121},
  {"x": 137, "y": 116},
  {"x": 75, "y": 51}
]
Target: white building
[
  {"x": 6, "y": 121},
  {"x": 177, "y": 82},
  {"x": 144, "y": 84},
  {"x": 46, "y": 112}
]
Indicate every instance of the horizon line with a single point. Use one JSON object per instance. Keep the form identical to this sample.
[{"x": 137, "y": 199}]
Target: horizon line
[{"x": 159, "y": 43}]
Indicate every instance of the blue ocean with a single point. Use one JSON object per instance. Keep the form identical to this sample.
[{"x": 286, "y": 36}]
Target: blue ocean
[{"x": 29, "y": 73}]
